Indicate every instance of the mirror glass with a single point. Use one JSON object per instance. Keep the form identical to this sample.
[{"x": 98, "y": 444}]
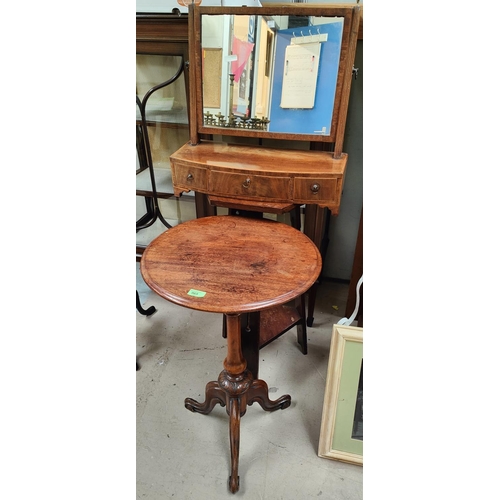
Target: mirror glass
[{"x": 270, "y": 73}]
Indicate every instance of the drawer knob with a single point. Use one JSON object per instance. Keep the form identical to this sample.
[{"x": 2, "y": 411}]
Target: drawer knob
[
  {"x": 246, "y": 183},
  {"x": 315, "y": 188},
  {"x": 189, "y": 177}
]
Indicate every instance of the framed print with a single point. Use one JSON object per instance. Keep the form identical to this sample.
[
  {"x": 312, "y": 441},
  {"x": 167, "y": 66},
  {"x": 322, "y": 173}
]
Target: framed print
[{"x": 341, "y": 435}]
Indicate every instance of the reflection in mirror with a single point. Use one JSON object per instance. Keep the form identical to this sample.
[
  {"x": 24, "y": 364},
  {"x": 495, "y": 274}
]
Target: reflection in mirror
[{"x": 270, "y": 73}]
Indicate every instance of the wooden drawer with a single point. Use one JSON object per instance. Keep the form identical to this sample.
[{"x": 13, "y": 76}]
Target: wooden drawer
[
  {"x": 189, "y": 177},
  {"x": 248, "y": 185},
  {"x": 311, "y": 189}
]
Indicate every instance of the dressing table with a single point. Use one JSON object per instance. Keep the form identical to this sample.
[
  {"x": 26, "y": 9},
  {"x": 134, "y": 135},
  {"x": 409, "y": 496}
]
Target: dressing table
[{"x": 253, "y": 99}]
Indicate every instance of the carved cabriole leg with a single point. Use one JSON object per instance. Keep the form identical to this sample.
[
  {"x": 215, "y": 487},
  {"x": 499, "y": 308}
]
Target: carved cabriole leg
[
  {"x": 259, "y": 392},
  {"x": 213, "y": 395},
  {"x": 235, "y": 379},
  {"x": 234, "y": 437}
]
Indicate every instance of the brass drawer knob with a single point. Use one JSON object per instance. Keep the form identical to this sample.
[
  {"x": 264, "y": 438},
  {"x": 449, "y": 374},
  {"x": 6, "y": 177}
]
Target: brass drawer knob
[
  {"x": 189, "y": 177},
  {"x": 246, "y": 183},
  {"x": 315, "y": 188}
]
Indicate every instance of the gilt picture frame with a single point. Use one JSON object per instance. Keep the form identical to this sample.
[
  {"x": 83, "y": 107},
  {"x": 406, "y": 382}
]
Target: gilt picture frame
[{"x": 341, "y": 434}]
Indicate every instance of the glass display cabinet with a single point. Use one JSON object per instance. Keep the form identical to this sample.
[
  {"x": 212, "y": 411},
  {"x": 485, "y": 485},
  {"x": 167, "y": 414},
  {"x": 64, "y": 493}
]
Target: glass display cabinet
[{"x": 162, "y": 122}]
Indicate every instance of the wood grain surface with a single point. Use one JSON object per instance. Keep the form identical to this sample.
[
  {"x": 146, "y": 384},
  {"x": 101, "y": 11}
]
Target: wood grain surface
[
  {"x": 240, "y": 264},
  {"x": 259, "y": 174}
]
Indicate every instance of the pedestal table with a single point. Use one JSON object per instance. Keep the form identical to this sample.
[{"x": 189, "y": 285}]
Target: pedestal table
[{"x": 232, "y": 265}]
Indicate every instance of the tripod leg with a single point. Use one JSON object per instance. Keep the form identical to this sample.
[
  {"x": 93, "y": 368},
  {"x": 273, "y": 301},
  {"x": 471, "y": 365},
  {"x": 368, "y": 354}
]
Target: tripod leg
[
  {"x": 213, "y": 395},
  {"x": 234, "y": 437},
  {"x": 259, "y": 393}
]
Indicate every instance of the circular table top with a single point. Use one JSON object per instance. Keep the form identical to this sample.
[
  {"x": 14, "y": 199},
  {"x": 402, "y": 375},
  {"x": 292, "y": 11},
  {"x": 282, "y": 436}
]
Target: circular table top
[{"x": 230, "y": 264}]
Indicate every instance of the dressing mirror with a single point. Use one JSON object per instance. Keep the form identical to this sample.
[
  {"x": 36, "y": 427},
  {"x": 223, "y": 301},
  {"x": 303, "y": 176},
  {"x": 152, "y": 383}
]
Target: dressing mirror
[{"x": 280, "y": 72}]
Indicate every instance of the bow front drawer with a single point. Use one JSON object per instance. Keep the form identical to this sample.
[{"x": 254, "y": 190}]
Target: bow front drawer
[
  {"x": 311, "y": 189},
  {"x": 248, "y": 185},
  {"x": 189, "y": 177}
]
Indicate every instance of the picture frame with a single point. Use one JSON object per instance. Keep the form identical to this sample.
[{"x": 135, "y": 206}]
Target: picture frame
[{"x": 341, "y": 434}]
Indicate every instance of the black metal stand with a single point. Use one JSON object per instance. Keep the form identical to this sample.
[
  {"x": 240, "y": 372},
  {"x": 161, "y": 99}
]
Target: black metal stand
[
  {"x": 145, "y": 312},
  {"x": 145, "y": 157}
]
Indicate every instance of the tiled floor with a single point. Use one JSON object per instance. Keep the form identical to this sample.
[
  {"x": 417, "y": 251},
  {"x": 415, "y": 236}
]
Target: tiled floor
[{"x": 186, "y": 455}]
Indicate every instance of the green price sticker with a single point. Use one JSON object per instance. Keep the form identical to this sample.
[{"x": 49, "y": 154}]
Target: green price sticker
[{"x": 196, "y": 293}]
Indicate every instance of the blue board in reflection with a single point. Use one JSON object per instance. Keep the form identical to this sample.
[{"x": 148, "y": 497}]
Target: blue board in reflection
[{"x": 318, "y": 119}]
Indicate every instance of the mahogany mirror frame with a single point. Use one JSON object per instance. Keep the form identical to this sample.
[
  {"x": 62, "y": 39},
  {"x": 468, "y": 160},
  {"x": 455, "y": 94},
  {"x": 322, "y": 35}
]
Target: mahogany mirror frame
[{"x": 351, "y": 15}]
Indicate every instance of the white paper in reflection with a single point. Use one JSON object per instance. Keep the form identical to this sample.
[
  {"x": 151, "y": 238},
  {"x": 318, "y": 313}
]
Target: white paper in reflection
[{"x": 300, "y": 75}]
